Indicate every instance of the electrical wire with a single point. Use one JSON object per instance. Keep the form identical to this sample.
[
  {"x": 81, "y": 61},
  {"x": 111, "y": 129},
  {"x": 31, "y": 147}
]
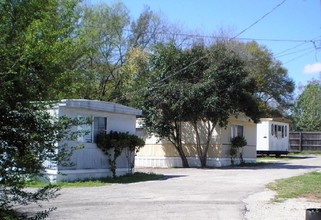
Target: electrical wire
[
  {"x": 294, "y": 52},
  {"x": 295, "y": 58},
  {"x": 257, "y": 21},
  {"x": 291, "y": 48},
  {"x": 168, "y": 33}
]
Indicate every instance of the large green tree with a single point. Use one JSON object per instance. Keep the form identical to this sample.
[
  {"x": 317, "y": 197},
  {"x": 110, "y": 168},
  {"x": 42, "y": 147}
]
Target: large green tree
[
  {"x": 160, "y": 103},
  {"x": 37, "y": 41},
  {"x": 307, "y": 110},
  {"x": 110, "y": 39},
  {"x": 223, "y": 89},
  {"x": 201, "y": 86},
  {"x": 274, "y": 86}
]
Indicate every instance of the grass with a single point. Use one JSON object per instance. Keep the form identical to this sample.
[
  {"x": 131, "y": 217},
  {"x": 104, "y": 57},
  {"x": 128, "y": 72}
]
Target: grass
[
  {"x": 305, "y": 153},
  {"x": 271, "y": 158},
  {"x": 290, "y": 156},
  {"x": 304, "y": 186},
  {"x": 131, "y": 178}
]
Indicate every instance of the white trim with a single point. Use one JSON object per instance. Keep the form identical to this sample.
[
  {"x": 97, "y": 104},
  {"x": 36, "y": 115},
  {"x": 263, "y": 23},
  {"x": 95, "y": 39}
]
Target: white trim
[
  {"x": 73, "y": 175},
  {"x": 165, "y": 162},
  {"x": 99, "y": 106}
]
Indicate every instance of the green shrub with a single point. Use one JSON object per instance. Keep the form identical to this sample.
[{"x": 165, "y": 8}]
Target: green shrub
[
  {"x": 237, "y": 144},
  {"x": 114, "y": 143}
]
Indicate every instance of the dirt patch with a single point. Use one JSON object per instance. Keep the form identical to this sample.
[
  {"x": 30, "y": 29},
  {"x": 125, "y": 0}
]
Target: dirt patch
[
  {"x": 313, "y": 197},
  {"x": 261, "y": 206}
]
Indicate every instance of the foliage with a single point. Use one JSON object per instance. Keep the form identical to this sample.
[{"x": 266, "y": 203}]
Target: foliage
[
  {"x": 162, "y": 101},
  {"x": 36, "y": 53},
  {"x": 237, "y": 144},
  {"x": 114, "y": 61},
  {"x": 117, "y": 142},
  {"x": 275, "y": 88},
  {"x": 37, "y": 48},
  {"x": 199, "y": 86},
  {"x": 224, "y": 89},
  {"x": 28, "y": 138},
  {"x": 307, "y": 110}
]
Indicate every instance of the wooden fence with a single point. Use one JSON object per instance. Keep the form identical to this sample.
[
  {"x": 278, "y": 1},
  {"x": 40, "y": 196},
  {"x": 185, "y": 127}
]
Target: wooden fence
[{"x": 304, "y": 141}]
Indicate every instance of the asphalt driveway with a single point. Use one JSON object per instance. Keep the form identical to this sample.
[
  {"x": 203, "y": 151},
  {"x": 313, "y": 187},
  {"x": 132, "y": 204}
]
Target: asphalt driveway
[{"x": 183, "y": 194}]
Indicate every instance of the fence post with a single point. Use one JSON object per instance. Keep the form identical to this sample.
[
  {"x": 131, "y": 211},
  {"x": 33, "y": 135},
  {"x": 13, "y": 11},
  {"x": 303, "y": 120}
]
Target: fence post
[{"x": 300, "y": 141}]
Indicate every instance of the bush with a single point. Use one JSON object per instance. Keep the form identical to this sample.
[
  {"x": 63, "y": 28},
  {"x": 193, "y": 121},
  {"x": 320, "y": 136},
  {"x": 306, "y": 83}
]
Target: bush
[
  {"x": 114, "y": 143},
  {"x": 237, "y": 144}
]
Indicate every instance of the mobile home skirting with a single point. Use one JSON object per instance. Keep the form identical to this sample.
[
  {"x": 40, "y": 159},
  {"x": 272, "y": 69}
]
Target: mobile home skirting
[{"x": 166, "y": 162}]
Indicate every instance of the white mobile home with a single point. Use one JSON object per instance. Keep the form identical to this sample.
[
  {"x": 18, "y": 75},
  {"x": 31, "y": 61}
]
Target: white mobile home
[
  {"x": 90, "y": 161},
  {"x": 273, "y": 136}
]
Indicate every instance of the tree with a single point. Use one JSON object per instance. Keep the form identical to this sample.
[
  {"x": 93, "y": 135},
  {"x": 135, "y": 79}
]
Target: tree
[
  {"x": 110, "y": 39},
  {"x": 103, "y": 36},
  {"x": 162, "y": 115},
  {"x": 201, "y": 86},
  {"x": 223, "y": 89},
  {"x": 307, "y": 110},
  {"x": 274, "y": 86},
  {"x": 37, "y": 57}
]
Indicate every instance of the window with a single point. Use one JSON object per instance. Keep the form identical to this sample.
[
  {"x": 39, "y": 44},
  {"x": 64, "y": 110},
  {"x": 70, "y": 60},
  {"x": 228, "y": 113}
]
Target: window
[
  {"x": 91, "y": 129},
  {"x": 286, "y": 130},
  {"x": 85, "y": 129},
  {"x": 272, "y": 129},
  {"x": 100, "y": 125},
  {"x": 236, "y": 130},
  {"x": 279, "y": 131}
]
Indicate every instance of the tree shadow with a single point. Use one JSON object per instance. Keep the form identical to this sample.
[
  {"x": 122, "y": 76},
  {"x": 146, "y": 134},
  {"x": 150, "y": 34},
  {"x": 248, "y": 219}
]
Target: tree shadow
[
  {"x": 290, "y": 157},
  {"x": 273, "y": 165},
  {"x": 167, "y": 177}
]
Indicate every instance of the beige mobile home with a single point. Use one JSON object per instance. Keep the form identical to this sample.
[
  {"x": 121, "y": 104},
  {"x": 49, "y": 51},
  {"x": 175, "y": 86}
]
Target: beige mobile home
[{"x": 162, "y": 154}]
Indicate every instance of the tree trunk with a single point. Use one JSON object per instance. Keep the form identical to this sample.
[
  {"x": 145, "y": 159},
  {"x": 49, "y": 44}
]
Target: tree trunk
[
  {"x": 210, "y": 129},
  {"x": 183, "y": 157},
  {"x": 203, "y": 160},
  {"x": 199, "y": 146},
  {"x": 202, "y": 152},
  {"x": 176, "y": 140}
]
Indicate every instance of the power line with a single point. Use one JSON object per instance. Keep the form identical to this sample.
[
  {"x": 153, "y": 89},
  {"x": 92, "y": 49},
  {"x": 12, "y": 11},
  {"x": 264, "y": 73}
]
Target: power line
[
  {"x": 257, "y": 21},
  {"x": 294, "y": 52},
  {"x": 220, "y": 37},
  {"x": 295, "y": 58},
  {"x": 291, "y": 48}
]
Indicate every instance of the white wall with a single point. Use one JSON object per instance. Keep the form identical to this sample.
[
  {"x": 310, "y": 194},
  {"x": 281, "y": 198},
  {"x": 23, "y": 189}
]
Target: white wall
[
  {"x": 263, "y": 136},
  {"x": 276, "y": 142},
  {"x": 90, "y": 158}
]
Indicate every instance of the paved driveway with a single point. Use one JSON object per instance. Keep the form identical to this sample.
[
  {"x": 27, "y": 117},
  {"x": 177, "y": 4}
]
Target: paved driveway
[{"x": 183, "y": 194}]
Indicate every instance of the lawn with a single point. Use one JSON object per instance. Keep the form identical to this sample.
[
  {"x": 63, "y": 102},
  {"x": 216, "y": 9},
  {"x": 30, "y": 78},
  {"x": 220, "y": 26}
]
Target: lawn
[
  {"x": 304, "y": 186},
  {"x": 130, "y": 178}
]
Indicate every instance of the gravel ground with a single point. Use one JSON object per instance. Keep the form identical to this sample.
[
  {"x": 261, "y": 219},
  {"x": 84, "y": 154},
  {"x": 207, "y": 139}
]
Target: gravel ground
[
  {"x": 259, "y": 206},
  {"x": 188, "y": 194}
]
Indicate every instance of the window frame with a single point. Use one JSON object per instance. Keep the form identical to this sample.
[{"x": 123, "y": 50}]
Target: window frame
[
  {"x": 91, "y": 128},
  {"x": 235, "y": 127},
  {"x": 95, "y": 131}
]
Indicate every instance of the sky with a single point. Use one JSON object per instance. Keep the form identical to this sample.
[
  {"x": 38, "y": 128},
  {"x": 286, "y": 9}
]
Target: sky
[{"x": 290, "y": 29}]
